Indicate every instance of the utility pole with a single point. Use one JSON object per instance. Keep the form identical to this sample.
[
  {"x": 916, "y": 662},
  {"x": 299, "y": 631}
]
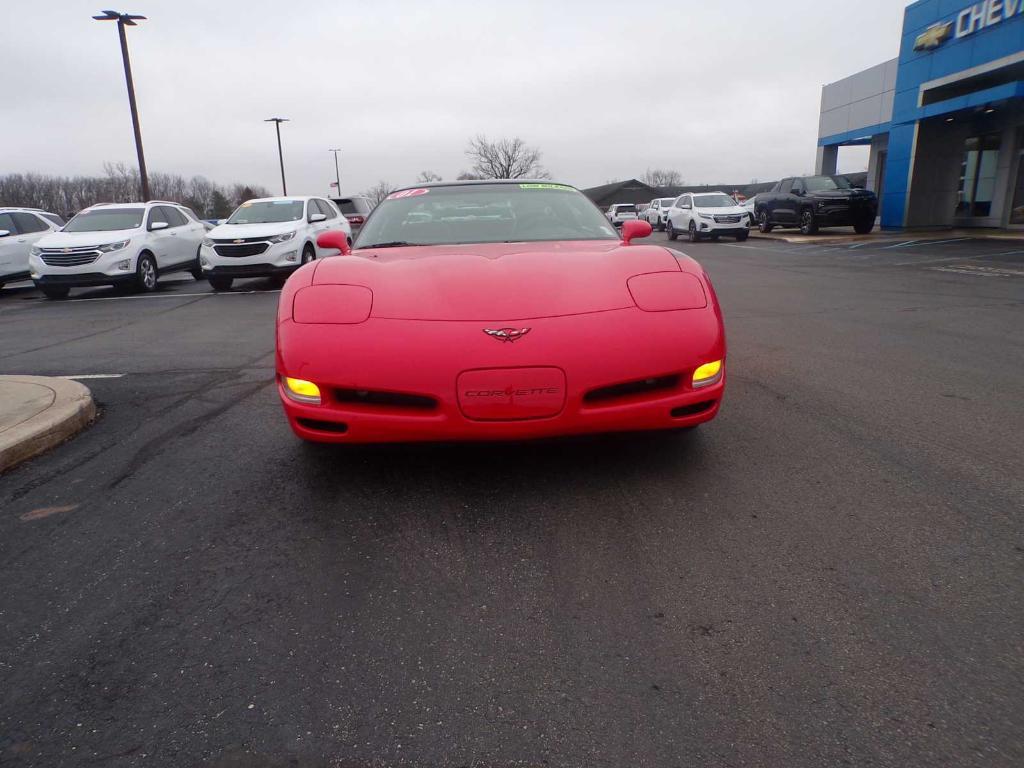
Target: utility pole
[
  {"x": 337, "y": 172},
  {"x": 280, "y": 155},
  {"x": 128, "y": 20}
]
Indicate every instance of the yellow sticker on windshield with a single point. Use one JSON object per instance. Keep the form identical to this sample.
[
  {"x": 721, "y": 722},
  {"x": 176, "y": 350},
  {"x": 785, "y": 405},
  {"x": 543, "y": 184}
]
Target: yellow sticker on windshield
[{"x": 547, "y": 186}]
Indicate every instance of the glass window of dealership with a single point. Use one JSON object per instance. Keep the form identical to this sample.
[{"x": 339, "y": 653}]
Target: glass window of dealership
[{"x": 944, "y": 120}]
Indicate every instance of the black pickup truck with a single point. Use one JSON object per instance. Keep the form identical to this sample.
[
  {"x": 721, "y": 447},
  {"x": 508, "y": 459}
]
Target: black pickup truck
[{"x": 809, "y": 202}]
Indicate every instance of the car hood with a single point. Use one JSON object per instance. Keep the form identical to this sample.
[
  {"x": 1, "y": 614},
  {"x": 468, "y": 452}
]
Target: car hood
[
  {"x": 842, "y": 194},
  {"x": 490, "y": 282},
  {"x": 732, "y": 210},
  {"x": 78, "y": 239},
  {"x": 234, "y": 231}
]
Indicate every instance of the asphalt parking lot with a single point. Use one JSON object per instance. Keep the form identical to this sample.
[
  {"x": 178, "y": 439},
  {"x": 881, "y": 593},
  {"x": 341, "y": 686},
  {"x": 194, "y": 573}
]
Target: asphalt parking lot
[{"x": 828, "y": 574}]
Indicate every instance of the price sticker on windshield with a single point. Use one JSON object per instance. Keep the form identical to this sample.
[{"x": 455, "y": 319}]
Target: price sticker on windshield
[
  {"x": 406, "y": 193},
  {"x": 546, "y": 186}
]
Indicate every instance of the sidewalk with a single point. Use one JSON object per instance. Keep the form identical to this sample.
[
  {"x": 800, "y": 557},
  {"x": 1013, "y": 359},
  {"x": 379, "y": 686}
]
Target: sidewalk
[
  {"x": 847, "y": 235},
  {"x": 39, "y": 412}
]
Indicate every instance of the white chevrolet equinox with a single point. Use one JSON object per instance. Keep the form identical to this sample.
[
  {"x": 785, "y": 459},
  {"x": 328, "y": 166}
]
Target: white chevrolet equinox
[
  {"x": 122, "y": 244},
  {"x": 269, "y": 237}
]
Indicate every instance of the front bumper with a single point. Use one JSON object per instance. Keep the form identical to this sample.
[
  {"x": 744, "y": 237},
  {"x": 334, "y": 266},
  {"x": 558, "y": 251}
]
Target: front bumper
[
  {"x": 426, "y": 359},
  {"x": 278, "y": 258},
  {"x": 726, "y": 228},
  {"x": 112, "y": 268},
  {"x": 249, "y": 270},
  {"x": 82, "y": 279}
]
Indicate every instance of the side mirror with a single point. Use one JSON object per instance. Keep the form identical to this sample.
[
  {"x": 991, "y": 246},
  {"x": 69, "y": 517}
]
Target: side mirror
[
  {"x": 635, "y": 228},
  {"x": 315, "y": 217},
  {"x": 4, "y": 232},
  {"x": 334, "y": 239},
  {"x": 158, "y": 225}
]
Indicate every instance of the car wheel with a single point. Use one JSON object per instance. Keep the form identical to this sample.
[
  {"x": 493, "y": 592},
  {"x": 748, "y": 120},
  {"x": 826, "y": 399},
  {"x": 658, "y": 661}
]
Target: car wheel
[
  {"x": 808, "y": 224},
  {"x": 672, "y": 234},
  {"x": 220, "y": 283},
  {"x": 862, "y": 227},
  {"x": 197, "y": 269},
  {"x": 308, "y": 254},
  {"x": 694, "y": 235},
  {"x": 764, "y": 224},
  {"x": 661, "y": 226},
  {"x": 55, "y": 292},
  {"x": 146, "y": 276},
  {"x": 742, "y": 236}
]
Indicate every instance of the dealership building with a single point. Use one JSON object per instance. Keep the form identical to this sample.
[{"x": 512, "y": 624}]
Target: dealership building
[{"x": 944, "y": 120}]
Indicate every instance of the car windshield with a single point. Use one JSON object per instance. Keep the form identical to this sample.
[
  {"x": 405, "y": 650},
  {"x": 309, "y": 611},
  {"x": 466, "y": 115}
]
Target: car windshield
[
  {"x": 106, "y": 220},
  {"x": 666, "y": 202},
  {"x": 484, "y": 213},
  {"x": 267, "y": 212},
  {"x": 346, "y": 205},
  {"x": 625, "y": 208},
  {"x": 825, "y": 183},
  {"x": 713, "y": 201}
]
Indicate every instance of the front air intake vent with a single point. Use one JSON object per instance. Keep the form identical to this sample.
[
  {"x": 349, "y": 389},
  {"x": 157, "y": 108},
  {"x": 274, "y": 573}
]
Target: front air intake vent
[
  {"x": 385, "y": 399},
  {"x": 656, "y": 385}
]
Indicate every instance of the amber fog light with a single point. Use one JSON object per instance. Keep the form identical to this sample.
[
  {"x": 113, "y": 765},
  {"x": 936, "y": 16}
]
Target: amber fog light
[
  {"x": 707, "y": 374},
  {"x": 302, "y": 391}
]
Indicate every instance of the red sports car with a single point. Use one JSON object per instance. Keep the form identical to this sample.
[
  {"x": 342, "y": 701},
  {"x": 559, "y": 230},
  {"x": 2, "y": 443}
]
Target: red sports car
[{"x": 497, "y": 310}]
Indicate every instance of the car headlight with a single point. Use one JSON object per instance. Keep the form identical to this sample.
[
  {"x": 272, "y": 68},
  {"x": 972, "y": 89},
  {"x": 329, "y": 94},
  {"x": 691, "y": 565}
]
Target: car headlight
[
  {"x": 707, "y": 215},
  {"x": 282, "y": 238},
  {"x": 207, "y": 242},
  {"x": 707, "y": 374},
  {"x": 34, "y": 251},
  {"x": 301, "y": 391},
  {"x": 111, "y": 247}
]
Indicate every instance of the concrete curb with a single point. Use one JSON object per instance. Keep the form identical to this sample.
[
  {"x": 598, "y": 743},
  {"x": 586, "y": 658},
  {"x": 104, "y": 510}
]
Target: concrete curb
[{"x": 38, "y": 413}]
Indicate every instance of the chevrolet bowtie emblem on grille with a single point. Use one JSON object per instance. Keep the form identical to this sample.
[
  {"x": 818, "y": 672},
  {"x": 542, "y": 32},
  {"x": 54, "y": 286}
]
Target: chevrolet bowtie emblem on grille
[
  {"x": 239, "y": 240},
  {"x": 934, "y": 36},
  {"x": 66, "y": 250},
  {"x": 506, "y": 334}
]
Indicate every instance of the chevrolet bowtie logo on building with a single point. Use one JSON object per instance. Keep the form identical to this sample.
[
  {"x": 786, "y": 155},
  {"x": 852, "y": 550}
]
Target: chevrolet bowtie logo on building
[
  {"x": 934, "y": 36},
  {"x": 506, "y": 334}
]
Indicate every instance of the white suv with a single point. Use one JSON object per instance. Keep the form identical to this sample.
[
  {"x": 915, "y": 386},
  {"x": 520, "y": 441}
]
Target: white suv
[
  {"x": 656, "y": 214},
  {"x": 269, "y": 237},
  {"x": 20, "y": 229},
  {"x": 707, "y": 214},
  {"x": 122, "y": 244},
  {"x": 621, "y": 212}
]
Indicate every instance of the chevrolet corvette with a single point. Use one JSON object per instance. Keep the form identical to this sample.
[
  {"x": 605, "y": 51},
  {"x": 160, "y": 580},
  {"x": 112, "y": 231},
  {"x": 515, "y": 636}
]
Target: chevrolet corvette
[{"x": 496, "y": 310}]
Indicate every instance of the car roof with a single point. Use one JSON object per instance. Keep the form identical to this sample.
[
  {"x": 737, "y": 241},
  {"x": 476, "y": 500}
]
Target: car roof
[
  {"x": 282, "y": 197},
  {"x": 21, "y": 208},
  {"x": 704, "y": 194},
  {"x": 479, "y": 182}
]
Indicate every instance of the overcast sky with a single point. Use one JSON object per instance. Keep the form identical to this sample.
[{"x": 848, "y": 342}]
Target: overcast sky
[{"x": 721, "y": 91}]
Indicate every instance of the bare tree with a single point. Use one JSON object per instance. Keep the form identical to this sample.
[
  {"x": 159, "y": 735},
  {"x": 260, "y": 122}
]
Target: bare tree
[
  {"x": 426, "y": 177},
  {"x": 379, "y": 191},
  {"x": 505, "y": 159},
  {"x": 469, "y": 176},
  {"x": 661, "y": 177}
]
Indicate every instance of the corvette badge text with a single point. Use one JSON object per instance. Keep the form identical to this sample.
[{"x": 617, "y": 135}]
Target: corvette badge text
[{"x": 510, "y": 392}]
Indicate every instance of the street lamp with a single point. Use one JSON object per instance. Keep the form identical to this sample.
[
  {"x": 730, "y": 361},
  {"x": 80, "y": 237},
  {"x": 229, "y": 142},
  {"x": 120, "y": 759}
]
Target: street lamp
[
  {"x": 277, "y": 124},
  {"x": 337, "y": 173},
  {"x": 128, "y": 20}
]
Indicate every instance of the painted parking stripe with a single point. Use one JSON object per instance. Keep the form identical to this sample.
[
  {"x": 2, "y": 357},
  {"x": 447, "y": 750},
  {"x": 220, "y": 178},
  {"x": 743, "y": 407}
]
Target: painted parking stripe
[
  {"x": 84, "y": 376},
  {"x": 169, "y": 296},
  {"x": 930, "y": 242}
]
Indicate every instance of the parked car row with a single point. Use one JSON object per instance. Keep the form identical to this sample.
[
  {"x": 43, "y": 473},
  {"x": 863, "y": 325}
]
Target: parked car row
[{"x": 133, "y": 244}]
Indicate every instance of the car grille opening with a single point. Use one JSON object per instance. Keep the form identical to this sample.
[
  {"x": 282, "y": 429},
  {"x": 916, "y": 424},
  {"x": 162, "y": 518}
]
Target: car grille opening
[
  {"x": 241, "y": 250},
  {"x": 727, "y": 219},
  {"x": 693, "y": 409},
  {"x": 653, "y": 385},
  {"x": 385, "y": 399},
  {"x": 336, "y": 427},
  {"x": 75, "y": 258}
]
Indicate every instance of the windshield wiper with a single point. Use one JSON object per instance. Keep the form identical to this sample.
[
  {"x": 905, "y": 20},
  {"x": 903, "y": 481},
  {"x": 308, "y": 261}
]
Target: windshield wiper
[{"x": 390, "y": 244}]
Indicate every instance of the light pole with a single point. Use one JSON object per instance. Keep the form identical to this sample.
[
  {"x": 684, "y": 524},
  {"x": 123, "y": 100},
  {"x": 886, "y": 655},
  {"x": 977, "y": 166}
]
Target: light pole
[
  {"x": 128, "y": 20},
  {"x": 337, "y": 172},
  {"x": 280, "y": 155}
]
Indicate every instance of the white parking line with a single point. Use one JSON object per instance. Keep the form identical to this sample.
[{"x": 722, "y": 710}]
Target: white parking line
[
  {"x": 81, "y": 376},
  {"x": 171, "y": 295},
  {"x": 929, "y": 242}
]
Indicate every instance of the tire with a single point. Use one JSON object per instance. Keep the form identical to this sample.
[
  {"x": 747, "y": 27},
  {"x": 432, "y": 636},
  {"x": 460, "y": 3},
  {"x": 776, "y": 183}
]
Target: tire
[
  {"x": 308, "y": 254},
  {"x": 693, "y": 233},
  {"x": 220, "y": 283},
  {"x": 862, "y": 227},
  {"x": 742, "y": 236},
  {"x": 661, "y": 227},
  {"x": 197, "y": 270},
  {"x": 146, "y": 275},
  {"x": 764, "y": 224},
  {"x": 55, "y": 292},
  {"x": 672, "y": 234},
  {"x": 808, "y": 223}
]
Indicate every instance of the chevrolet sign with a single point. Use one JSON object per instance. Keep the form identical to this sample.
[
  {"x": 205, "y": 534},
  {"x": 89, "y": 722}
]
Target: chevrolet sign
[{"x": 934, "y": 36}]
